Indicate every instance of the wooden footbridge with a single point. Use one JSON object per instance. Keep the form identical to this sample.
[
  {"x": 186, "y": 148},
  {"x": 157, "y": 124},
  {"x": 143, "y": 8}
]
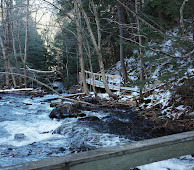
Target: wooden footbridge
[
  {"x": 114, "y": 81},
  {"x": 119, "y": 157}
]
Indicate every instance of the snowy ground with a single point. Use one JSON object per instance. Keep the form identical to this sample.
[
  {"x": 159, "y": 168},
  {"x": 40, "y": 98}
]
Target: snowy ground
[
  {"x": 162, "y": 88},
  {"x": 162, "y": 73}
]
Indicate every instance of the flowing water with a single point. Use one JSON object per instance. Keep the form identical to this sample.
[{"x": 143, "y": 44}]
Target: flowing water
[{"x": 27, "y": 133}]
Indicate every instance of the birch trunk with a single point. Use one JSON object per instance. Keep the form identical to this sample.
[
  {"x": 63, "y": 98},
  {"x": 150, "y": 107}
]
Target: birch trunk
[
  {"x": 3, "y": 44},
  {"x": 96, "y": 46},
  {"x": 26, "y": 43},
  {"x": 6, "y": 62},
  {"x": 80, "y": 50}
]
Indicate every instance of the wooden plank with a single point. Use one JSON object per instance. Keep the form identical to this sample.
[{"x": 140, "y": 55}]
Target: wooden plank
[
  {"x": 120, "y": 157},
  {"x": 98, "y": 74},
  {"x": 114, "y": 87}
]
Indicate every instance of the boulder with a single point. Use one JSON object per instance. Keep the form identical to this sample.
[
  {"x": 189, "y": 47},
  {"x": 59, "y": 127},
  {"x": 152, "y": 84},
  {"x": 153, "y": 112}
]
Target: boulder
[
  {"x": 66, "y": 112},
  {"x": 90, "y": 118},
  {"x": 19, "y": 136}
]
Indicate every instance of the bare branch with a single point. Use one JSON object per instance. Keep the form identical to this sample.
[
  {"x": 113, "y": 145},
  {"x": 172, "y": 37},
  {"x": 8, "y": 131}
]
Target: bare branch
[
  {"x": 39, "y": 71},
  {"x": 67, "y": 15},
  {"x": 182, "y": 23},
  {"x": 24, "y": 76},
  {"x": 141, "y": 19},
  {"x": 48, "y": 87}
]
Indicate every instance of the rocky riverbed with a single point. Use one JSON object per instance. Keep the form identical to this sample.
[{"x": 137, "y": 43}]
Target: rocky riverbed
[{"x": 27, "y": 132}]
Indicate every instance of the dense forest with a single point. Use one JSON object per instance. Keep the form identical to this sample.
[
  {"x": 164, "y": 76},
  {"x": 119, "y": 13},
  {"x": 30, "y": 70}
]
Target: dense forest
[
  {"x": 79, "y": 75},
  {"x": 94, "y": 35}
]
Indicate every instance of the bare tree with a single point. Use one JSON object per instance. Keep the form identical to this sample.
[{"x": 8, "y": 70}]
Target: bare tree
[
  {"x": 3, "y": 42},
  {"x": 182, "y": 23},
  {"x": 26, "y": 42},
  {"x": 97, "y": 44},
  {"x": 120, "y": 18},
  {"x": 80, "y": 50},
  {"x": 91, "y": 67},
  {"x": 140, "y": 50}
]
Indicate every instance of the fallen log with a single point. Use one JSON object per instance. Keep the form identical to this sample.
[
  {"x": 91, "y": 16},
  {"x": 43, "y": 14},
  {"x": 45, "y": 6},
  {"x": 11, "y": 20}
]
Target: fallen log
[
  {"x": 75, "y": 95},
  {"x": 40, "y": 71},
  {"x": 67, "y": 96},
  {"x": 16, "y": 90},
  {"x": 50, "y": 88},
  {"x": 75, "y": 101}
]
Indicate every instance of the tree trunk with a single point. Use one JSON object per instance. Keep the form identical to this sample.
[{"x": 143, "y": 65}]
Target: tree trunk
[
  {"x": 6, "y": 63},
  {"x": 26, "y": 43},
  {"x": 19, "y": 41},
  {"x": 140, "y": 50},
  {"x": 120, "y": 18},
  {"x": 193, "y": 22},
  {"x": 14, "y": 47},
  {"x": 97, "y": 46},
  {"x": 4, "y": 43},
  {"x": 91, "y": 68},
  {"x": 80, "y": 50},
  {"x": 12, "y": 76}
]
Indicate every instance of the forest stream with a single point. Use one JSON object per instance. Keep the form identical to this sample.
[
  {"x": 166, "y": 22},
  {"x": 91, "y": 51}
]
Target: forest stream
[{"x": 27, "y": 133}]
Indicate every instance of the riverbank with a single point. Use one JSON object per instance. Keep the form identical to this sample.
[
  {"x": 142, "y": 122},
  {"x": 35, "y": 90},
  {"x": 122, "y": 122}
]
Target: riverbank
[{"x": 42, "y": 137}]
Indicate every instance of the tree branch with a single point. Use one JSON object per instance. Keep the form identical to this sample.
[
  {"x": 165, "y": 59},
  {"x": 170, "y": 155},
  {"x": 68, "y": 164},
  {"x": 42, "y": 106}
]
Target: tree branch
[
  {"x": 48, "y": 87},
  {"x": 145, "y": 22},
  {"x": 182, "y": 23}
]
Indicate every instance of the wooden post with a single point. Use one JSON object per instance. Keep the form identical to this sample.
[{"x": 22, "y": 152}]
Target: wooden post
[
  {"x": 99, "y": 80},
  {"x": 91, "y": 84},
  {"x": 113, "y": 82},
  {"x": 120, "y": 84},
  {"x": 94, "y": 78}
]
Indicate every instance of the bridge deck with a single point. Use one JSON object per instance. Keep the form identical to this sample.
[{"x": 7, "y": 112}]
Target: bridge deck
[{"x": 114, "y": 81}]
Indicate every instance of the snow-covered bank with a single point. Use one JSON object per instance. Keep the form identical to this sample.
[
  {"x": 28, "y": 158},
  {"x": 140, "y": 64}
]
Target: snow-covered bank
[{"x": 166, "y": 77}]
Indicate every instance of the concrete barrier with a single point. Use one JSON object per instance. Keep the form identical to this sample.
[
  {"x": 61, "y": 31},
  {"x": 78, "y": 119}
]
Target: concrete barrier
[{"x": 119, "y": 157}]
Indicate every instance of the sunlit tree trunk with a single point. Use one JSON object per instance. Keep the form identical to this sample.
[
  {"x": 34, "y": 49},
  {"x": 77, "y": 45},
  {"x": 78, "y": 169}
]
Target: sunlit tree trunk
[
  {"x": 80, "y": 50},
  {"x": 97, "y": 46},
  {"x": 26, "y": 43},
  {"x": 3, "y": 42}
]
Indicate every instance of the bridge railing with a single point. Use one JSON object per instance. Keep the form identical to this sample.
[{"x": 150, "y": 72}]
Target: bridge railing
[
  {"x": 120, "y": 157},
  {"x": 95, "y": 79}
]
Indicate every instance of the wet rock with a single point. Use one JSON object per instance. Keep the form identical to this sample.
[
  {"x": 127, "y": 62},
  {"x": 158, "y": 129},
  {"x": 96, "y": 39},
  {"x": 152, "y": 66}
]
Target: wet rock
[
  {"x": 60, "y": 105},
  {"x": 147, "y": 101},
  {"x": 45, "y": 132},
  {"x": 91, "y": 100},
  {"x": 54, "y": 104},
  {"x": 61, "y": 113},
  {"x": 61, "y": 149},
  {"x": 28, "y": 103},
  {"x": 80, "y": 145},
  {"x": 19, "y": 136},
  {"x": 90, "y": 118},
  {"x": 57, "y": 113}
]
